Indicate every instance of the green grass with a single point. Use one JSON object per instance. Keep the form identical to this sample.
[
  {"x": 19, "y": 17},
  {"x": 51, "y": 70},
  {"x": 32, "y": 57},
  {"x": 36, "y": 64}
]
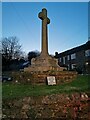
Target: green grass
[{"x": 11, "y": 91}]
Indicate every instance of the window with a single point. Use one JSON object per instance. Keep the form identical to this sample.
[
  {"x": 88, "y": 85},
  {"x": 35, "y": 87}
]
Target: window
[
  {"x": 68, "y": 57},
  {"x": 73, "y": 56},
  {"x": 60, "y": 60},
  {"x": 87, "y": 53},
  {"x": 73, "y": 66},
  {"x": 68, "y": 67},
  {"x": 63, "y": 60}
]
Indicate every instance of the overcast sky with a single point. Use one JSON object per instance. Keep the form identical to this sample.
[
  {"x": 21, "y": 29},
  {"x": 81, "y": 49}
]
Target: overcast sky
[{"x": 68, "y": 27}]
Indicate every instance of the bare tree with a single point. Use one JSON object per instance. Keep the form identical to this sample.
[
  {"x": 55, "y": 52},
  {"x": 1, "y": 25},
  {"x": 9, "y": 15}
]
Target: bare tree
[{"x": 11, "y": 47}]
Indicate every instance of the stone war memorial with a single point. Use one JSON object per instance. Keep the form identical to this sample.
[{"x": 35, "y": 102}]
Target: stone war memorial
[
  {"x": 34, "y": 100},
  {"x": 45, "y": 65}
]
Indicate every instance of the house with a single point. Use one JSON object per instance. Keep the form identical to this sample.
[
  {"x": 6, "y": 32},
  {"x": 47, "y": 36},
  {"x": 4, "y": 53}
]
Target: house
[{"x": 77, "y": 58}]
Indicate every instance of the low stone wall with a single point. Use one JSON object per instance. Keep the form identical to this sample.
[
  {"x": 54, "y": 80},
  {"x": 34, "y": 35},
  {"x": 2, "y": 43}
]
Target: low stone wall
[
  {"x": 40, "y": 78},
  {"x": 50, "y": 107}
]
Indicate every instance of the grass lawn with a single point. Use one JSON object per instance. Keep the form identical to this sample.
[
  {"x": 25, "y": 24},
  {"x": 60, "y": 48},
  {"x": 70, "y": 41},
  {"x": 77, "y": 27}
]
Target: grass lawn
[{"x": 11, "y": 91}]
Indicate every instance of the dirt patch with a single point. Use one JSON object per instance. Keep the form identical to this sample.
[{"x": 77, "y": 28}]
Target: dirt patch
[{"x": 56, "y": 106}]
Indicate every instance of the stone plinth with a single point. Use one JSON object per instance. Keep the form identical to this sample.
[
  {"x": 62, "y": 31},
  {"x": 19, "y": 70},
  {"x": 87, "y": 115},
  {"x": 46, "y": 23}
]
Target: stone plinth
[
  {"x": 44, "y": 63},
  {"x": 40, "y": 78},
  {"x": 60, "y": 77}
]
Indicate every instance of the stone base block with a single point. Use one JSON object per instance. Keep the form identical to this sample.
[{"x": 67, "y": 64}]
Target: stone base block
[
  {"x": 44, "y": 63},
  {"x": 60, "y": 77},
  {"x": 40, "y": 78}
]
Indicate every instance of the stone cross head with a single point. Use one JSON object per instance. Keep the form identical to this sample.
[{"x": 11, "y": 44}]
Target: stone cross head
[{"x": 43, "y": 15}]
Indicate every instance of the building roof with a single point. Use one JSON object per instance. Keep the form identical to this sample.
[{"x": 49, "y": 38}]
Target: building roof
[{"x": 76, "y": 49}]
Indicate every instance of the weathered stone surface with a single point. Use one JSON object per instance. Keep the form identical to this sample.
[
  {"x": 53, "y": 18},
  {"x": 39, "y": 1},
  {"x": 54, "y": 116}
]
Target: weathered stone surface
[
  {"x": 41, "y": 78},
  {"x": 44, "y": 63},
  {"x": 45, "y": 21}
]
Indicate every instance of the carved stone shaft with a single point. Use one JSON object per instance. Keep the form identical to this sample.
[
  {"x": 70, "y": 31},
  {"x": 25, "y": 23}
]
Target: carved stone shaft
[{"x": 45, "y": 20}]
